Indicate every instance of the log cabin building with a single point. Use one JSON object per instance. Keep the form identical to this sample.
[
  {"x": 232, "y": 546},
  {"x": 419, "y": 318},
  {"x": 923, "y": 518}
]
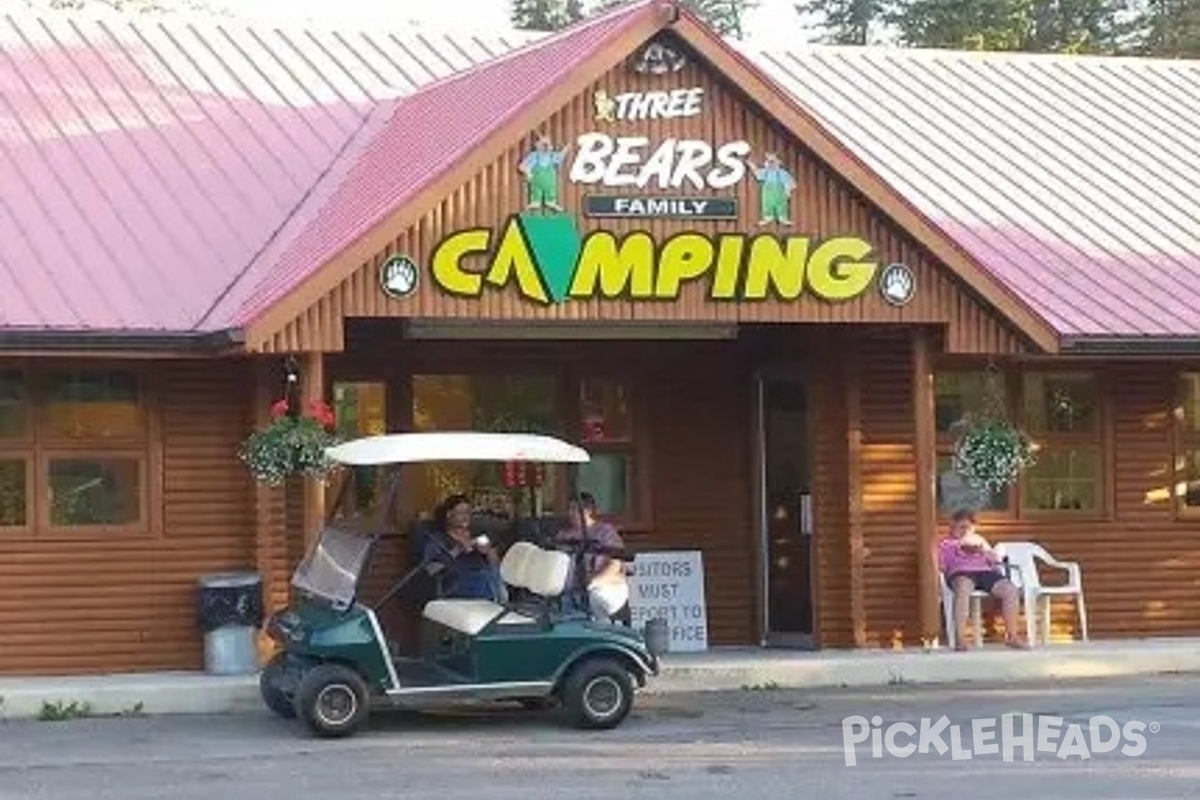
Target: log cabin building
[{"x": 760, "y": 286}]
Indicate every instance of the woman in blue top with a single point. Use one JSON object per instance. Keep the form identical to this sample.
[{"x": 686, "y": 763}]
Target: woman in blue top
[{"x": 471, "y": 568}]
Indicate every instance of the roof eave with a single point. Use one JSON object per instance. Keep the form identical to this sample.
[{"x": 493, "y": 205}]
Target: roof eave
[
  {"x": 1132, "y": 345},
  {"x": 126, "y": 341}
]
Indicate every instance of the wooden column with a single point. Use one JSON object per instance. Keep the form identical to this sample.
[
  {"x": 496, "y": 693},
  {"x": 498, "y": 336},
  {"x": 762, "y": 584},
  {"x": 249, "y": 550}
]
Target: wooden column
[
  {"x": 270, "y": 532},
  {"x": 852, "y": 381},
  {"x": 925, "y": 456},
  {"x": 312, "y": 389}
]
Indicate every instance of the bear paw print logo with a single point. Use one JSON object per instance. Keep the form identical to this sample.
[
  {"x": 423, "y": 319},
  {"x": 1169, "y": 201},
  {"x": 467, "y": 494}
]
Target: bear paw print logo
[
  {"x": 897, "y": 284},
  {"x": 398, "y": 276}
]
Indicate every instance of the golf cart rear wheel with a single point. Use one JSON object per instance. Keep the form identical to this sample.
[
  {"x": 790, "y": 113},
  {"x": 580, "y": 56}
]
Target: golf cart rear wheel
[
  {"x": 332, "y": 700},
  {"x": 268, "y": 685},
  {"x": 598, "y": 694}
]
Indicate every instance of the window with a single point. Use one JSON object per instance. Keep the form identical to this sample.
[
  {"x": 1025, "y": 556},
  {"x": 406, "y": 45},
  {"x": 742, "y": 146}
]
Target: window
[
  {"x": 959, "y": 395},
  {"x": 606, "y": 428},
  {"x": 75, "y": 449},
  {"x": 504, "y": 403},
  {"x": 16, "y": 444},
  {"x": 598, "y": 412},
  {"x": 1061, "y": 411},
  {"x": 360, "y": 409},
  {"x": 1187, "y": 456},
  {"x": 1061, "y": 414}
]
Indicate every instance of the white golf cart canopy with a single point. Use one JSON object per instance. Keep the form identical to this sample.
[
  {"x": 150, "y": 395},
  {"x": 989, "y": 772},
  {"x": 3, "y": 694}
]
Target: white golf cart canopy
[
  {"x": 331, "y": 570},
  {"x": 398, "y": 448}
]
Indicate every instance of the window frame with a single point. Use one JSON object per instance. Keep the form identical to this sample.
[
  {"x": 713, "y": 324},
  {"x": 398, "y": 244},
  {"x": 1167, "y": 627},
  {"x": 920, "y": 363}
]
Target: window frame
[
  {"x": 1014, "y": 378},
  {"x": 568, "y": 379},
  {"x": 1058, "y": 441},
  {"x": 1183, "y": 442},
  {"x": 23, "y": 448},
  {"x": 39, "y": 447},
  {"x": 636, "y": 448}
]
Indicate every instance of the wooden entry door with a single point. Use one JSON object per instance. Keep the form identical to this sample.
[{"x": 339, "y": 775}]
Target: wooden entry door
[{"x": 785, "y": 500}]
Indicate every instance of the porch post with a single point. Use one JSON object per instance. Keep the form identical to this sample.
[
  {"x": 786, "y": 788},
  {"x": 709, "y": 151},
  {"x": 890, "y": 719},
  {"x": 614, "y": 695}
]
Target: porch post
[
  {"x": 925, "y": 455},
  {"x": 312, "y": 389},
  {"x": 270, "y": 531},
  {"x": 852, "y": 366}
]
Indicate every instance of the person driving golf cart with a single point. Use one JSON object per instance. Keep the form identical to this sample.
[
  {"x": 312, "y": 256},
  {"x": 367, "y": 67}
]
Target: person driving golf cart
[
  {"x": 467, "y": 565},
  {"x": 604, "y": 583}
]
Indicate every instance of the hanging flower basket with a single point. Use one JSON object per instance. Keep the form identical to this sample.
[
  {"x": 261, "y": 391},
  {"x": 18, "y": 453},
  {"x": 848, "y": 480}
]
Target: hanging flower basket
[
  {"x": 990, "y": 453},
  {"x": 293, "y": 444}
]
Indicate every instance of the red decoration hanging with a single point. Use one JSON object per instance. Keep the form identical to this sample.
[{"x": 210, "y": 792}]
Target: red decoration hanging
[{"x": 510, "y": 474}]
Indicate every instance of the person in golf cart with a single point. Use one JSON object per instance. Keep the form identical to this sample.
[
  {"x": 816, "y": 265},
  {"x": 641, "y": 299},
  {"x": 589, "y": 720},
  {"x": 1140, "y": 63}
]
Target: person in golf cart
[
  {"x": 604, "y": 583},
  {"x": 468, "y": 566}
]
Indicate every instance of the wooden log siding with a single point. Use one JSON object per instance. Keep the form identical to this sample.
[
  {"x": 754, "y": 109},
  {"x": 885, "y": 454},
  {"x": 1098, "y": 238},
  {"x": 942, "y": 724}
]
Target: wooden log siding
[
  {"x": 700, "y": 463},
  {"x": 127, "y": 603},
  {"x": 823, "y": 205},
  {"x": 1141, "y": 563}
]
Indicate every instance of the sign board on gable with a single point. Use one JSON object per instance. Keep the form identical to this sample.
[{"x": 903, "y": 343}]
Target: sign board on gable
[
  {"x": 548, "y": 260},
  {"x": 670, "y": 585},
  {"x": 625, "y": 170}
]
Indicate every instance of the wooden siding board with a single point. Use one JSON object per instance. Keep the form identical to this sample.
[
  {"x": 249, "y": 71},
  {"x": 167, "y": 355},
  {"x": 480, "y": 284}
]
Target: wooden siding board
[
  {"x": 123, "y": 602},
  {"x": 701, "y": 484},
  {"x": 889, "y": 490}
]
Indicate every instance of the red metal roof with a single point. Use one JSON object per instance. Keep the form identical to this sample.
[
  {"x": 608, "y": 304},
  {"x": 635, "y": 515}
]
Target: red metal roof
[
  {"x": 407, "y": 145},
  {"x": 1074, "y": 180},
  {"x": 144, "y": 165},
  {"x": 185, "y": 176}
]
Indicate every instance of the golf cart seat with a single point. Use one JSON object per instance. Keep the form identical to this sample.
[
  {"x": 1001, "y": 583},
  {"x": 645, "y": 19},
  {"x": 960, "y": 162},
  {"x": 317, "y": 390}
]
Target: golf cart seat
[{"x": 525, "y": 566}]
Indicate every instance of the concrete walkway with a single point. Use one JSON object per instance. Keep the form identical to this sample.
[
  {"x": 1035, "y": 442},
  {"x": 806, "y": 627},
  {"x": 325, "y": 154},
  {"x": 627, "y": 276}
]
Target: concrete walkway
[{"x": 717, "y": 670}]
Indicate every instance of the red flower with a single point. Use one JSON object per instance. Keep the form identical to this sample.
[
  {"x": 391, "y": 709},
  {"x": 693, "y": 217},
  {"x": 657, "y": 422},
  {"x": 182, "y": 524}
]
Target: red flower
[
  {"x": 279, "y": 408},
  {"x": 321, "y": 412}
]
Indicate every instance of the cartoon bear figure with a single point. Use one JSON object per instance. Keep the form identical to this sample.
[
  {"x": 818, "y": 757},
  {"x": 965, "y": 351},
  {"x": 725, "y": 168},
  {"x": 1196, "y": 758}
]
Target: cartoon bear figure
[
  {"x": 540, "y": 168},
  {"x": 776, "y": 185}
]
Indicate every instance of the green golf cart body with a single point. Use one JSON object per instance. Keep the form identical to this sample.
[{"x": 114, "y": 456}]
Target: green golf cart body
[{"x": 335, "y": 663}]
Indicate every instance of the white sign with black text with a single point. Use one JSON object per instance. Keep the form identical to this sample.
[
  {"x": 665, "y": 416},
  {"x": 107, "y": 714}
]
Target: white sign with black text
[{"x": 670, "y": 585}]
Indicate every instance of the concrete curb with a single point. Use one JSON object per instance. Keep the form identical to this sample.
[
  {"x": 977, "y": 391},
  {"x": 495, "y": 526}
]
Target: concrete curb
[{"x": 717, "y": 670}]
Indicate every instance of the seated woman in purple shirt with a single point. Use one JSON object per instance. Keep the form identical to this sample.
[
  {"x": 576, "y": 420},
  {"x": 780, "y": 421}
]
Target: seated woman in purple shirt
[{"x": 968, "y": 562}]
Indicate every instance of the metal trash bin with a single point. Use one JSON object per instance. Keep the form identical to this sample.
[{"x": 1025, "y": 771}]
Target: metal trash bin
[
  {"x": 658, "y": 636},
  {"x": 231, "y": 612}
]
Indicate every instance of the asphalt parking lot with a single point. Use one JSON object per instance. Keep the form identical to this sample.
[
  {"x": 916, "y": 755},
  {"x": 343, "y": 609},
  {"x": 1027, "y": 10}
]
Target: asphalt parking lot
[{"x": 757, "y": 742}]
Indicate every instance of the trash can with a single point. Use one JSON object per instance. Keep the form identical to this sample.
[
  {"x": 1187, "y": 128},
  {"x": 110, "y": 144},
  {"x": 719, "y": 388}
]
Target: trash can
[
  {"x": 231, "y": 612},
  {"x": 658, "y": 636}
]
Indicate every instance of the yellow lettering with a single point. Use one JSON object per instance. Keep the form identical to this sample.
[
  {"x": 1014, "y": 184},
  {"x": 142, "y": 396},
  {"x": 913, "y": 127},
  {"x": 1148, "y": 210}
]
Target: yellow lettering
[
  {"x": 615, "y": 269},
  {"x": 729, "y": 267},
  {"x": 838, "y": 269},
  {"x": 771, "y": 265},
  {"x": 683, "y": 258},
  {"x": 513, "y": 257},
  {"x": 446, "y": 261},
  {"x": 633, "y": 266}
]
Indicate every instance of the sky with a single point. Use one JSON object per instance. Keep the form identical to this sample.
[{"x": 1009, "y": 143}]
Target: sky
[{"x": 773, "y": 21}]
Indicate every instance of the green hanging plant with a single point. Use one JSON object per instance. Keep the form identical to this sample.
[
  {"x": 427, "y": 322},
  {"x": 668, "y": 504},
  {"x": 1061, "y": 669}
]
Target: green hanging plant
[
  {"x": 292, "y": 444},
  {"x": 991, "y": 452}
]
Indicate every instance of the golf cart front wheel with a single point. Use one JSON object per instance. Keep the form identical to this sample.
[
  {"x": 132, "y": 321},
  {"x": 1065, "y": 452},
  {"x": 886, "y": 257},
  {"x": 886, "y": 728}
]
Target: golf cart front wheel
[
  {"x": 598, "y": 694},
  {"x": 332, "y": 700},
  {"x": 268, "y": 684}
]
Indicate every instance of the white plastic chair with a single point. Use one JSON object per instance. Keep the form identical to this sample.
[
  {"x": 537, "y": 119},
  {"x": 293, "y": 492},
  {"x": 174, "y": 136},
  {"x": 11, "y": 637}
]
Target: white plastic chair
[
  {"x": 1023, "y": 556},
  {"x": 976, "y": 599}
]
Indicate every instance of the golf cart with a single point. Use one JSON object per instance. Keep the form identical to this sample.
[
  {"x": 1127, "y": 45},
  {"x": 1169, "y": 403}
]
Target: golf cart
[{"x": 336, "y": 663}]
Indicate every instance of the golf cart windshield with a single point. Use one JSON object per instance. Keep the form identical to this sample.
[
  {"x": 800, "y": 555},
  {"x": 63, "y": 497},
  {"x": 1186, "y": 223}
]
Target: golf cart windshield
[{"x": 332, "y": 569}]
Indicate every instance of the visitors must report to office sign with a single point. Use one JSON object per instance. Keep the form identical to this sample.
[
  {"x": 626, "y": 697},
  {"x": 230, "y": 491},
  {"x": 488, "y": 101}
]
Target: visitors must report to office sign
[{"x": 670, "y": 585}]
